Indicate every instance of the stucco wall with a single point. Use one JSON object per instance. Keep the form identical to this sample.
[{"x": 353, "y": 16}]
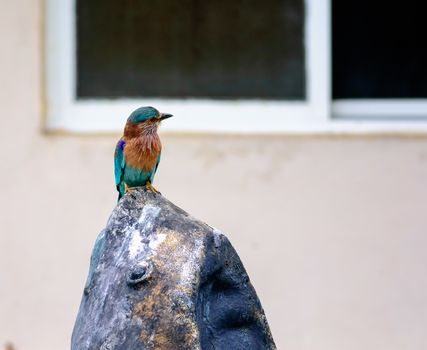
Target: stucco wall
[{"x": 331, "y": 229}]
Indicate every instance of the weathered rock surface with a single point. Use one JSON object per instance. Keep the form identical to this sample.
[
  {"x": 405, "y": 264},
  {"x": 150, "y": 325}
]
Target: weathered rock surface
[{"x": 160, "y": 279}]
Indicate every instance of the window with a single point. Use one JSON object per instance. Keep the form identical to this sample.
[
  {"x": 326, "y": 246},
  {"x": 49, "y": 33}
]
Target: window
[
  {"x": 379, "y": 59},
  {"x": 216, "y": 49},
  {"x": 238, "y": 66}
]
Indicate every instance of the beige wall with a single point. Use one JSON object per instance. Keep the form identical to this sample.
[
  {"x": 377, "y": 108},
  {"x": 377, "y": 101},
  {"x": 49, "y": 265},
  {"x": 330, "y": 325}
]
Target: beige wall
[{"x": 331, "y": 229}]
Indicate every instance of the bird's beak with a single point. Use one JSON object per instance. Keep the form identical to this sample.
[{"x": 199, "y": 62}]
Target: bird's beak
[{"x": 165, "y": 116}]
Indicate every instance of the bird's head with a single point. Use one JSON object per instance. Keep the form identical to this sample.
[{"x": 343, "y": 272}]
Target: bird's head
[
  {"x": 147, "y": 114},
  {"x": 145, "y": 120}
]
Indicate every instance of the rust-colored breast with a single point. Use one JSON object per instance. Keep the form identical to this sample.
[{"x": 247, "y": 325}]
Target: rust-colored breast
[
  {"x": 139, "y": 156},
  {"x": 143, "y": 145}
]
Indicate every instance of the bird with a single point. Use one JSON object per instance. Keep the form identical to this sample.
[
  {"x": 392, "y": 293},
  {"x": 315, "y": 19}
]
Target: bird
[{"x": 137, "y": 153}]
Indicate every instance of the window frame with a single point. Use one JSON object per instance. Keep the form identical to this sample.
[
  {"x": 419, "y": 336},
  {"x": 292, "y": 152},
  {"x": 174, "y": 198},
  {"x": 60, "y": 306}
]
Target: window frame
[{"x": 318, "y": 113}]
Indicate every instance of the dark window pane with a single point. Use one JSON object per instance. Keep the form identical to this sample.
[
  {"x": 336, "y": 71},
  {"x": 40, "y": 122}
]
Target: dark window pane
[
  {"x": 379, "y": 49},
  {"x": 199, "y": 48}
]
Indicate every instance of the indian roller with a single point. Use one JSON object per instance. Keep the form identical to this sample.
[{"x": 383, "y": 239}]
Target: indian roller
[{"x": 137, "y": 153}]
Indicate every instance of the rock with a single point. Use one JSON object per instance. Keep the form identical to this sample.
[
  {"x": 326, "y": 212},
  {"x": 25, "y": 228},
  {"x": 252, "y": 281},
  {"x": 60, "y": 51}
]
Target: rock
[{"x": 160, "y": 279}]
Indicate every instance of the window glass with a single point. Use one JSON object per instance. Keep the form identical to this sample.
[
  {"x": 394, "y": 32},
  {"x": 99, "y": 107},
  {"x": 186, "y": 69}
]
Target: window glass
[
  {"x": 191, "y": 48},
  {"x": 379, "y": 49}
]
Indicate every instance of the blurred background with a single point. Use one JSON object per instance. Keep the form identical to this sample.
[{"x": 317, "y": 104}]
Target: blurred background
[{"x": 331, "y": 227}]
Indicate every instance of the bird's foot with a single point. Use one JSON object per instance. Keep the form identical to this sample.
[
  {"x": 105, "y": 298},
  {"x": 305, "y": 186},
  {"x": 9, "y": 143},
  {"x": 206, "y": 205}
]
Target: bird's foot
[
  {"x": 129, "y": 189},
  {"x": 150, "y": 187}
]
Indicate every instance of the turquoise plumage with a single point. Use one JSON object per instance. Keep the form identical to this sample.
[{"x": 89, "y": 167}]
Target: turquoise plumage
[
  {"x": 138, "y": 152},
  {"x": 119, "y": 167}
]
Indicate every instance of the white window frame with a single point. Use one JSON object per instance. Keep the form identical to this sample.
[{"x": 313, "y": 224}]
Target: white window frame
[
  {"x": 316, "y": 114},
  {"x": 386, "y": 109}
]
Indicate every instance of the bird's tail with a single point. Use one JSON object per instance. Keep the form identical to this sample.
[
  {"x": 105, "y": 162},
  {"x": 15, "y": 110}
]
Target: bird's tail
[{"x": 121, "y": 190}]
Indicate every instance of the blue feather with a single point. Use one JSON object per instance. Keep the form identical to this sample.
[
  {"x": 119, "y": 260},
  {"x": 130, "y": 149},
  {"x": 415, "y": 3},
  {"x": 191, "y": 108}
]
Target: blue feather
[{"x": 119, "y": 167}]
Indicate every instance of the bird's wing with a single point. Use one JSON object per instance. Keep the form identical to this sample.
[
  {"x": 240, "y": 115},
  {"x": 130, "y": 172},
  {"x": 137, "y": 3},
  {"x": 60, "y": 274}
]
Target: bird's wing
[
  {"x": 155, "y": 168},
  {"x": 119, "y": 166}
]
